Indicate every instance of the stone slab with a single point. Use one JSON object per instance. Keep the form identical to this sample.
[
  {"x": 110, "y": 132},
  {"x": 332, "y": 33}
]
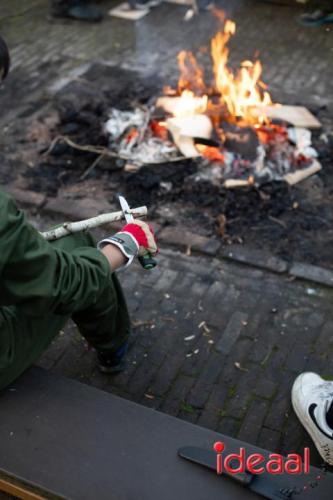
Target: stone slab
[{"x": 82, "y": 443}]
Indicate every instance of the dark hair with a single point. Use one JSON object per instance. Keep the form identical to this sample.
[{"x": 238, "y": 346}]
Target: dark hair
[{"x": 4, "y": 59}]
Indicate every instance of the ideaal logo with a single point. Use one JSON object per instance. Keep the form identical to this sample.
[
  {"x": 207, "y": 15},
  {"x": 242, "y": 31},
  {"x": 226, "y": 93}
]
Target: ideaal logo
[{"x": 256, "y": 463}]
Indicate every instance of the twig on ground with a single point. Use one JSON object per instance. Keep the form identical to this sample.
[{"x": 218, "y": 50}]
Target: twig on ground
[
  {"x": 278, "y": 221},
  {"x": 92, "y": 166},
  {"x": 99, "y": 150}
]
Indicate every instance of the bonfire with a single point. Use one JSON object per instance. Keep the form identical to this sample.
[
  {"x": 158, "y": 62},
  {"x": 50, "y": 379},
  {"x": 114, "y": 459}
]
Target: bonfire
[{"x": 226, "y": 120}]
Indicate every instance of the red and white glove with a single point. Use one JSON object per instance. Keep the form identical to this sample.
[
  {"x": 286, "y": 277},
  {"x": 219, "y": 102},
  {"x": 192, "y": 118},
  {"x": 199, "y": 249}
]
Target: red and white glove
[{"x": 134, "y": 240}]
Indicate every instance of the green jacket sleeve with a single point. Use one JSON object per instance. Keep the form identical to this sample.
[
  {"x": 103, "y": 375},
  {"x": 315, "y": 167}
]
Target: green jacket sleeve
[{"x": 38, "y": 277}]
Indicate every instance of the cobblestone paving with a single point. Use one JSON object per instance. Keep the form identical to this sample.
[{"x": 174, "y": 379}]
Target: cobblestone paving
[
  {"x": 217, "y": 344},
  {"x": 214, "y": 343}
]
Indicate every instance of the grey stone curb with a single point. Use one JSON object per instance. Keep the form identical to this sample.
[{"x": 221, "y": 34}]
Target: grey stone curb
[
  {"x": 175, "y": 237},
  {"x": 256, "y": 258},
  {"x": 27, "y": 199},
  {"x": 189, "y": 241},
  {"x": 312, "y": 273}
]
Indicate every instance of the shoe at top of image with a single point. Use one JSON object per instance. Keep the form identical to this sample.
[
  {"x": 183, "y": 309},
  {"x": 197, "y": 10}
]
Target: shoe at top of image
[{"x": 79, "y": 12}]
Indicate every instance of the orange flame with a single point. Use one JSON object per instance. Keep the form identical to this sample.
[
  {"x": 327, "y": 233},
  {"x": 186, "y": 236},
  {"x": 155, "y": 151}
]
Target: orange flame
[
  {"x": 239, "y": 92},
  {"x": 191, "y": 74},
  {"x": 210, "y": 152},
  {"x": 190, "y": 104},
  {"x": 242, "y": 91}
]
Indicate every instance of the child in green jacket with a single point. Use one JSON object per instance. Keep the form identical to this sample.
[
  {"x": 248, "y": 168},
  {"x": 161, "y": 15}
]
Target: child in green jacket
[{"x": 44, "y": 284}]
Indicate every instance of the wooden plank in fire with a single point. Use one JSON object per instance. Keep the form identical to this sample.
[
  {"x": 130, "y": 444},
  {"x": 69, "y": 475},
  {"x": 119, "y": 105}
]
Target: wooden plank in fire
[
  {"x": 298, "y": 116},
  {"x": 292, "y": 178},
  {"x": 302, "y": 174}
]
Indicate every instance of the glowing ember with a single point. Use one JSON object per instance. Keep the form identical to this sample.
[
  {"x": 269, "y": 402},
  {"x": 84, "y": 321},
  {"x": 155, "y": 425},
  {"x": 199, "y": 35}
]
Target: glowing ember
[{"x": 212, "y": 153}]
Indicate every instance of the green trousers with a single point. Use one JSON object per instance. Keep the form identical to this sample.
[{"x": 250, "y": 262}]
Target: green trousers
[{"x": 23, "y": 338}]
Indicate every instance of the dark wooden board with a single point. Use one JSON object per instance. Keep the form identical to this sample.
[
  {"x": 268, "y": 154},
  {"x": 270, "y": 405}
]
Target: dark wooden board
[{"x": 83, "y": 444}]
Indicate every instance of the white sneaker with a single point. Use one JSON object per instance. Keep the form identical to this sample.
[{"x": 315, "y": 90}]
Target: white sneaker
[{"x": 311, "y": 398}]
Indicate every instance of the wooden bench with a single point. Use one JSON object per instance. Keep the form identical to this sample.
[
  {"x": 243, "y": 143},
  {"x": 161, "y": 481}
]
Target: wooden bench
[{"x": 62, "y": 439}]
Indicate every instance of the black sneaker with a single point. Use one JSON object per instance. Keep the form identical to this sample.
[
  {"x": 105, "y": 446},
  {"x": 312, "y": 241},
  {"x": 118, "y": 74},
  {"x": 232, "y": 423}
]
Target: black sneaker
[
  {"x": 114, "y": 362},
  {"x": 86, "y": 13},
  {"x": 316, "y": 18}
]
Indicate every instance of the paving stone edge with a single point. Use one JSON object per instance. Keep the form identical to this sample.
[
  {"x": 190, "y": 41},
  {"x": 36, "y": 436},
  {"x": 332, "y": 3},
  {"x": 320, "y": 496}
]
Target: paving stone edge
[{"x": 251, "y": 257}]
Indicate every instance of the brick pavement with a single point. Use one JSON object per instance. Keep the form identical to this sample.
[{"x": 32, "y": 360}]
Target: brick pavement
[
  {"x": 183, "y": 313},
  {"x": 216, "y": 343},
  {"x": 294, "y": 58}
]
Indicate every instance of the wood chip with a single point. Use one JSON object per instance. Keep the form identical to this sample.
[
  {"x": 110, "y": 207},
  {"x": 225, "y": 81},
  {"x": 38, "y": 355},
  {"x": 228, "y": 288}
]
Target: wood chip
[
  {"x": 137, "y": 323},
  {"x": 191, "y": 337},
  {"x": 129, "y": 167},
  {"x": 239, "y": 367},
  {"x": 204, "y": 326},
  {"x": 189, "y": 15}
]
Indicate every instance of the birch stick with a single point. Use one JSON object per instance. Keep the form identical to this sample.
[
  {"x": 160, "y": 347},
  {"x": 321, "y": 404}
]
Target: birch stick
[{"x": 84, "y": 225}]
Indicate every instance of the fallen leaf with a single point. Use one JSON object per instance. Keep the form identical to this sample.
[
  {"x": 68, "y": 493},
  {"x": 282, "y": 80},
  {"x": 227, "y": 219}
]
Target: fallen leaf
[{"x": 221, "y": 221}]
